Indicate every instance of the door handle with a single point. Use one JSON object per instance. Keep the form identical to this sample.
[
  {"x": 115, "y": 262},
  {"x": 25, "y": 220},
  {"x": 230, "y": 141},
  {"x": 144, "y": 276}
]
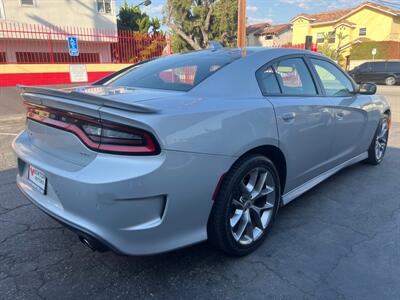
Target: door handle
[
  {"x": 340, "y": 115},
  {"x": 288, "y": 116}
]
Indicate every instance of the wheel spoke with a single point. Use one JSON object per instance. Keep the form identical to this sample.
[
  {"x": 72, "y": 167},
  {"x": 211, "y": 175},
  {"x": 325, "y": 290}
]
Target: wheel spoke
[
  {"x": 262, "y": 177},
  {"x": 250, "y": 228},
  {"x": 256, "y": 218},
  {"x": 267, "y": 206},
  {"x": 260, "y": 209},
  {"x": 244, "y": 220},
  {"x": 236, "y": 217},
  {"x": 237, "y": 203},
  {"x": 268, "y": 190},
  {"x": 384, "y": 129},
  {"x": 247, "y": 188}
]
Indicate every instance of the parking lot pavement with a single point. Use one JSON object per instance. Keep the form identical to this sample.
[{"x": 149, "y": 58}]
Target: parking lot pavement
[{"x": 340, "y": 240}]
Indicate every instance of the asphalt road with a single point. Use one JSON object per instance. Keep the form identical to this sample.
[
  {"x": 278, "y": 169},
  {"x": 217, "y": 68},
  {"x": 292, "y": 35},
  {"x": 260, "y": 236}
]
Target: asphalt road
[{"x": 341, "y": 240}]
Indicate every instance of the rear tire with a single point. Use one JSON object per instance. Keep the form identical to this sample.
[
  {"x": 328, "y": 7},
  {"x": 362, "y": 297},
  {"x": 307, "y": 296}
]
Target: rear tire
[
  {"x": 390, "y": 80},
  {"x": 245, "y": 207},
  {"x": 377, "y": 149}
]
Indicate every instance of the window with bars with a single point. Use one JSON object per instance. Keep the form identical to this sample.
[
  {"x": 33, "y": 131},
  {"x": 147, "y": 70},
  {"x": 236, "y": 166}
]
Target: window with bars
[
  {"x": 331, "y": 37},
  {"x": 320, "y": 37},
  {"x": 104, "y": 6}
]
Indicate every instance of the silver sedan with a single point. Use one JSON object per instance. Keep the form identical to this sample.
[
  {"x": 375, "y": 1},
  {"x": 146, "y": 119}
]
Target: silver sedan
[{"x": 196, "y": 146}]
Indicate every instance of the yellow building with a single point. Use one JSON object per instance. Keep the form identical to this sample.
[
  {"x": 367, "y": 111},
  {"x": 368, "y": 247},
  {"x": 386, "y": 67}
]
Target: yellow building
[{"x": 346, "y": 27}]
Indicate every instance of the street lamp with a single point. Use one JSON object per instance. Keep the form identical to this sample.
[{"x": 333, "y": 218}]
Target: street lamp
[{"x": 145, "y": 3}]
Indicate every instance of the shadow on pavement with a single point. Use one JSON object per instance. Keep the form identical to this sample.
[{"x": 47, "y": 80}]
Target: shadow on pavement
[{"x": 338, "y": 240}]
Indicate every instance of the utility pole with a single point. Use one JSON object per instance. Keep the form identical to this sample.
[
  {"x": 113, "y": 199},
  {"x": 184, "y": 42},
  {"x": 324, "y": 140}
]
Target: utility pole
[{"x": 241, "y": 34}]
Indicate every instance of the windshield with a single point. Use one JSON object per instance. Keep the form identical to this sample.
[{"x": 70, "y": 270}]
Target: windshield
[{"x": 177, "y": 72}]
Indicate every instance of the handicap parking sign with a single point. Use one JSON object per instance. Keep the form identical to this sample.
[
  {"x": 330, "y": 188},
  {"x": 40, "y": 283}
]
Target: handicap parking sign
[{"x": 73, "y": 46}]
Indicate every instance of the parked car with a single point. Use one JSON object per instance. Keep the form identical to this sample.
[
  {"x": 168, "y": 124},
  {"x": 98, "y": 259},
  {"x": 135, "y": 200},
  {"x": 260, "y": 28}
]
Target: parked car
[
  {"x": 196, "y": 146},
  {"x": 379, "y": 72}
]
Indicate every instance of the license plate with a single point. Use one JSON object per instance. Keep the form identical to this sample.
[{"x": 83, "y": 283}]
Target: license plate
[{"x": 38, "y": 179}]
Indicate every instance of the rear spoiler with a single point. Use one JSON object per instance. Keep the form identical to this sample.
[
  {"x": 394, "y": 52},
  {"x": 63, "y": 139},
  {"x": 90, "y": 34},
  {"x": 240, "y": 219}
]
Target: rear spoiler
[{"x": 35, "y": 93}]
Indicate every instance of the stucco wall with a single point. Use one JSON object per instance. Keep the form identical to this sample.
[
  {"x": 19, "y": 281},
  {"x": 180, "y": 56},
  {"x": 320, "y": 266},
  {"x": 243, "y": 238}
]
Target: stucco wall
[
  {"x": 277, "y": 40},
  {"x": 260, "y": 41},
  {"x": 253, "y": 41},
  {"x": 78, "y": 13},
  {"x": 301, "y": 28},
  {"x": 380, "y": 26}
]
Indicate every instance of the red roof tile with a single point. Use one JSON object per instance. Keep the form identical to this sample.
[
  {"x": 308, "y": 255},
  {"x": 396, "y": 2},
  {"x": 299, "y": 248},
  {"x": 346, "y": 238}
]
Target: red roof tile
[
  {"x": 274, "y": 29},
  {"x": 255, "y": 27},
  {"x": 336, "y": 15}
]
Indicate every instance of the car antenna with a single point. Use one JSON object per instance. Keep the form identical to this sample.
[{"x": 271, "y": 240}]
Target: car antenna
[{"x": 214, "y": 45}]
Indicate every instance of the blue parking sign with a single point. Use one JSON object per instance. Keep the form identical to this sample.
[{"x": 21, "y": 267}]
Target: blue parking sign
[{"x": 73, "y": 46}]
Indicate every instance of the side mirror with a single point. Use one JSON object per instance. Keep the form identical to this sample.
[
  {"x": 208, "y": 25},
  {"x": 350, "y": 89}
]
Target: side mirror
[{"x": 367, "y": 89}]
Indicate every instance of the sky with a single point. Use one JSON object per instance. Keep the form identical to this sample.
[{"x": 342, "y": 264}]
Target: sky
[{"x": 272, "y": 11}]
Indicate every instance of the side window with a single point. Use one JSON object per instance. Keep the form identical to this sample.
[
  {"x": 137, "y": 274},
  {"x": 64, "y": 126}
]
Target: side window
[
  {"x": 333, "y": 79},
  {"x": 363, "y": 67},
  {"x": 379, "y": 67},
  {"x": 268, "y": 82},
  {"x": 294, "y": 77},
  {"x": 393, "y": 67}
]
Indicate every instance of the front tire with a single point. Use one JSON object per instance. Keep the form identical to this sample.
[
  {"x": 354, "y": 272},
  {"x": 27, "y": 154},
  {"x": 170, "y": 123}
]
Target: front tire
[
  {"x": 245, "y": 207},
  {"x": 377, "y": 149}
]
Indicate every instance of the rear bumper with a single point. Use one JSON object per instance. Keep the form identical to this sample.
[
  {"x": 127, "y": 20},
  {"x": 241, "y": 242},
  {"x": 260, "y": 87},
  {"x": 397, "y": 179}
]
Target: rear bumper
[
  {"x": 82, "y": 232},
  {"x": 133, "y": 205}
]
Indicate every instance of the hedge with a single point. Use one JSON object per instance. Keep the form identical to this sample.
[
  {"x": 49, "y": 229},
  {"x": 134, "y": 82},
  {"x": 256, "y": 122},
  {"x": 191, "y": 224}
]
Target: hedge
[{"x": 384, "y": 49}]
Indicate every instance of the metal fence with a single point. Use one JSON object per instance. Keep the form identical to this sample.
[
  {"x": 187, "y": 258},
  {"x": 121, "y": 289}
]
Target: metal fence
[
  {"x": 314, "y": 47},
  {"x": 39, "y": 44}
]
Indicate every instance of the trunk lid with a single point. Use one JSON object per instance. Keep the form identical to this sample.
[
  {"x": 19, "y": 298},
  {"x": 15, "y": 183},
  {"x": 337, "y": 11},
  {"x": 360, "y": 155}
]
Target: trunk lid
[{"x": 86, "y": 101}]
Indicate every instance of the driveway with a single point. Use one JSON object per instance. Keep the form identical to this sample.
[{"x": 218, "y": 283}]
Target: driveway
[{"x": 341, "y": 240}]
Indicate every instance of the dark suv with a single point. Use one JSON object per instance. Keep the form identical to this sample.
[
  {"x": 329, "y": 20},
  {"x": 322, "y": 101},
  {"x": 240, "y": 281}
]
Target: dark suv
[{"x": 380, "y": 72}]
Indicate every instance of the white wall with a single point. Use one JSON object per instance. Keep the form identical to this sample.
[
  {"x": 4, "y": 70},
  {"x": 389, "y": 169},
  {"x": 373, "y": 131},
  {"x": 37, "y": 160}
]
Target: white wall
[
  {"x": 78, "y": 13},
  {"x": 253, "y": 41},
  {"x": 259, "y": 40},
  {"x": 2, "y": 16}
]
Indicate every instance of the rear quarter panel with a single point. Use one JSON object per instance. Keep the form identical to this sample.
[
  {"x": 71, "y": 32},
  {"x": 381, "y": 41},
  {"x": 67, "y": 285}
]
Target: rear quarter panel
[{"x": 210, "y": 125}]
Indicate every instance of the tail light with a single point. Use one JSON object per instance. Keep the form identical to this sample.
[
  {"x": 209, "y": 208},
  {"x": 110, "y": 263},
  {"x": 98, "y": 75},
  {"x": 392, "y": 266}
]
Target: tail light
[{"x": 98, "y": 135}]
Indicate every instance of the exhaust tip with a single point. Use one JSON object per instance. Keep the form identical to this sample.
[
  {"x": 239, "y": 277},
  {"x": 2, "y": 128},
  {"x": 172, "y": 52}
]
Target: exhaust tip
[
  {"x": 92, "y": 244},
  {"x": 87, "y": 243}
]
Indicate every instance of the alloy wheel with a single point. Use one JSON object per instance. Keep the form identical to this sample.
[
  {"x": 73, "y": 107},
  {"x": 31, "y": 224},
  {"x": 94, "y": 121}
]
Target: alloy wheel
[
  {"x": 381, "y": 141},
  {"x": 252, "y": 207},
  {"x": 390, "y": 81}
]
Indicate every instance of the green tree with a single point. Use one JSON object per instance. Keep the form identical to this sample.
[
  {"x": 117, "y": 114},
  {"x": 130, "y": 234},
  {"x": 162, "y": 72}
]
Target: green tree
[
  {"x": 155, "y": 25},
  {"x": 335, "y": 53},
  {"x": 130, "y": 17},
  {"x": 195, "y": 22}
]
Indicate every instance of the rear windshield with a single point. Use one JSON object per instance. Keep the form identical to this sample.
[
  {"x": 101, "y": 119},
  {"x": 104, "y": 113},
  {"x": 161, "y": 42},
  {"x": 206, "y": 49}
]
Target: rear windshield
[{"x": 177, "y": 72}]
